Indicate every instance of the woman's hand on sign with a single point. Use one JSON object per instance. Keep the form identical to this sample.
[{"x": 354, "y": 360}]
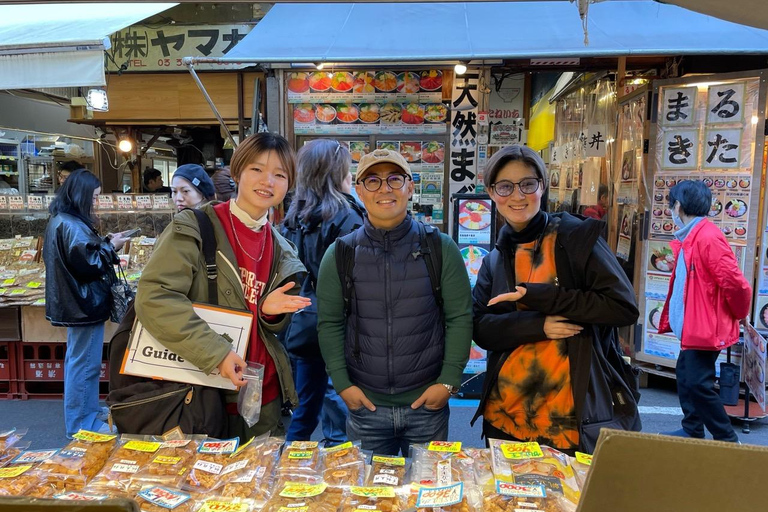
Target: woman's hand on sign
[
  {"x": 232, "y": 368},
  {"x": 279, "y": 302},
  {"x": 509, "y": 297}
]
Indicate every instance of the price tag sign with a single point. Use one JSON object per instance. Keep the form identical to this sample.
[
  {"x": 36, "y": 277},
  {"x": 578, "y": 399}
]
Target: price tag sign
[
  {"x": 223, "y": 446},
  {"x": 523, "y": 491},
  {"x": 208, "y": 467},
  {"x": 223, "y": 506},
  {"x": 35, "y": 202},
  {"x": 299, "y": 455},
  {"x": 165, "y": 459},
  {"x": 161, "y": 202},
  {"x": 15, "y": 202},
  {"x": 124, "y": 202},
  {"x": 93, "y": 437},
  {"x": 164, "y": 497},
  {"x": 14, "y": 471},
  {"x": 584, "y": 458},
  {"x": 125, "y": 466},
  {"x": 34, "y": 456},
  {"x": 143, "y": 446},
  {"x": 436, "y": 497},
  {"x": 389, "y": 461},
  {"x": 299, "y": 490},
  {"x": 144, "y": 202},
  {"x": 344, "y": 446},
  {"x": 106, "y": 202},
  {"x": 517, "y": 451},
  {"x": 304, "y": 445},
  {"x": 444, "y": 446},
  {"x": 373, "y": 492}
]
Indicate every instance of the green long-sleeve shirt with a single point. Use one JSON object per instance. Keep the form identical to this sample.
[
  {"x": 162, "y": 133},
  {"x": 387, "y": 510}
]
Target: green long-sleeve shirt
[{"x": 457, "y": 306}]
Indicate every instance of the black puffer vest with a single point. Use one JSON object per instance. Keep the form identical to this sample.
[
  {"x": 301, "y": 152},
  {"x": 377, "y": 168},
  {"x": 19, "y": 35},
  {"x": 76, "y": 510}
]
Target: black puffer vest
[{"x": 395, "y": 332}]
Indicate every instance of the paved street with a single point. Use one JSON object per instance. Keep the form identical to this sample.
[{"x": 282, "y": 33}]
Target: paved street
[{"x": 658, "y": 406}]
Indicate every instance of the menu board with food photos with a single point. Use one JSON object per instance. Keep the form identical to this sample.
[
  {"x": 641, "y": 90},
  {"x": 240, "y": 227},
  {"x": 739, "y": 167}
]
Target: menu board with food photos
[
  {"x": 367, "y": 102},
  {"x": 705, "y": 129}
]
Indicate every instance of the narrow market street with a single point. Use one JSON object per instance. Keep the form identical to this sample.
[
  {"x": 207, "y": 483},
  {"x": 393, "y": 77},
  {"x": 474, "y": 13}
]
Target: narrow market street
[{"x": 659, "y": 409}]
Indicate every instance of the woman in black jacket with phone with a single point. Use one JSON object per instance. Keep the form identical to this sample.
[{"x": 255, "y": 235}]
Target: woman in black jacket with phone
[{"x": 79, "y": 271}]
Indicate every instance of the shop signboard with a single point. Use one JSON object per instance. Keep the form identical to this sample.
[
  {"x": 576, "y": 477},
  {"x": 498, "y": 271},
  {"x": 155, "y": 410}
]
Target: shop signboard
[
  {"x": 463, "y": 151},
  {"x": 141, "y": 48},
  {"x": 753, "y": 363}
]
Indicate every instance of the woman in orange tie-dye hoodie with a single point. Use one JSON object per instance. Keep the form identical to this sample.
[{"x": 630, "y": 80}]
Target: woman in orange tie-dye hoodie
[{"x": 546, "y": 297}]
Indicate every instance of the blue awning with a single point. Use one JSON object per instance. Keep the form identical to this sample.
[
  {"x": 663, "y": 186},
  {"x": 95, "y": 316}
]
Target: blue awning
[{"x": 381, "y": 32}]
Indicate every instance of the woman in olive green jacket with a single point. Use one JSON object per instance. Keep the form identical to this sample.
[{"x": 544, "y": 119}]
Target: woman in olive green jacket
[{"x": 175, "y": 277}]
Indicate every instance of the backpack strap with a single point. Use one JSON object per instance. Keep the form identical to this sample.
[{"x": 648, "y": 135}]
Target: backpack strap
[
  {"x": 431, "y": 248},
  {"x": 345, "y": 264},
  {"x": 209, "y": 252}
]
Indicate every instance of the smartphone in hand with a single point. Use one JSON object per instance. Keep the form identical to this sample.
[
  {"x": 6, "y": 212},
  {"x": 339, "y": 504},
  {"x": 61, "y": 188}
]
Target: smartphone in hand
[{"x": 131, "y": 233}]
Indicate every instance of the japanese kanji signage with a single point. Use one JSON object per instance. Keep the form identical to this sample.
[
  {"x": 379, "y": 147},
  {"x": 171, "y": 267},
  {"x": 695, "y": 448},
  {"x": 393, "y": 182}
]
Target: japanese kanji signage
[
  {"x": 595, "y": 142},
  {"x": 678, "y": 106},
  {"x": 463, "y": 150},
  {"x": 722, "y": 149},
  {"x": 162, "y": 49}
]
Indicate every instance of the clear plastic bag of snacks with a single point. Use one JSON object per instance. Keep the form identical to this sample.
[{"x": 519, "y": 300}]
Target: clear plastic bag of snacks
[
  {"x": 222, "y": 504},
  {"x": 219, "y": 462},
  {"x": 581, "y": 465},
  {"x": 89, "y": 495},
  {"x": 256, "y": 482},
  {"x": 373, "y": 499},
  {"x": 441, "y": 463},
  {"x": 387, "y": 471},
  {"x": 510, "y": 497},
  {"x": 456, "y": 497},
  {"x": 532, "y": 464},
  {"x": 156, "y": 498},
  {"x": 8, "y": 439},
  {"x": 300, "y": 457},
  {"x": 483, "y": 465},
  {"x": 249, "y": 396},
  {"x": 9, "y": 454},
  {"x": 169, "y": 464},
  {"x": 306, "y": 497},
  {"x": 19, "y": 479},
  {"x": 344, "y": 465},
  {"x": 77, "y": 463},
  {"x": 133, "y": 453}
]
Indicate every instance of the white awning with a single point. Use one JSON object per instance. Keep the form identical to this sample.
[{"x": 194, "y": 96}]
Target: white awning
[
  {"x": 400, "y": 32},
  {"x": 62, "y": 45}
]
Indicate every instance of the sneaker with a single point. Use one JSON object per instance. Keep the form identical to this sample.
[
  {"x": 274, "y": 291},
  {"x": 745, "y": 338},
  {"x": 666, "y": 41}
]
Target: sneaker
[
  {"x": 103, "y": 414},
  {"x": 681, "y": 432},
  {"x": 104, "y": 429}
]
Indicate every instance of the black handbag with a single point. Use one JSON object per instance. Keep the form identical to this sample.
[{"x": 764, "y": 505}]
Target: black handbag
[
  {"x": 138, "y": 405},
  {"x": 122, "y": 295}
]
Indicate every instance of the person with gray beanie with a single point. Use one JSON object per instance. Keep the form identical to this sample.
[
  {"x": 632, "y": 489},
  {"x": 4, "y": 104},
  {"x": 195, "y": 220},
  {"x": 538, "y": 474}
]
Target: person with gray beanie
[{"x": 191, "y": 187}]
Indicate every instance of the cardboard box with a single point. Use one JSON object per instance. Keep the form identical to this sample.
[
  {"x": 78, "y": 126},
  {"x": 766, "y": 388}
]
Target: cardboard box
[{"x": 635, "y": 472}]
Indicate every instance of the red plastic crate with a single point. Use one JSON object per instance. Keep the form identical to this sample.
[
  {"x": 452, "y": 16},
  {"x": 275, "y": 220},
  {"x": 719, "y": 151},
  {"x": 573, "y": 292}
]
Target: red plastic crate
[
  {"x": 41, "y": 368},
  {"x": 9, "y": 379}
]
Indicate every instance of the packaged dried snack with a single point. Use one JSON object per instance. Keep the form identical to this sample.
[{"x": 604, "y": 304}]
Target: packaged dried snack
[
  {"x": 300, "y": 457},
  {"x": 220, "y": 504},
  {"x": 132, "y": 454},
  {"x": 87, "y": 496},
  {"x": 10, "y": 437},
  {"x": 532, "y": 464},
  {"x": 168, "y": 465},
  {"x": 483, "y": 466},
  {"x": 344, "y": 465},
  {"x": 581, "y": 465},
  {"x": 510, "y": 497},
  {"x": 387, "y": 471},
  {"x": 457, "y": 497},
  {"x": 9, "y": 454},
  {"x": 440, "y": 463},
  {"x": 17, "y": 479},
  {"x": 214, "y": 465},
  {"x": 256, "y": 482},
  {"x": 372, "y": 499},
  {"x": 78, "y": 462},
  {"x": 156, "y": 498},
  {"x": 306, "y": 497}
]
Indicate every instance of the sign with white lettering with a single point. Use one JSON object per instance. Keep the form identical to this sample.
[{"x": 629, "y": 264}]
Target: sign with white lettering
[{"x": 148, "y": 357}]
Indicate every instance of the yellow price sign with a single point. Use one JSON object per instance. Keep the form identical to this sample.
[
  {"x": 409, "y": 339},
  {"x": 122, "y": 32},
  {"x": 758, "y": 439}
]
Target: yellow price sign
[
  {"x": 389, "y": 461},
  {"x": 584, "y": 458},
  {"x": 164, "y": 459},
  {"x": 517, "y": 451},
  {"x": 445, "y": 446},
  {"x": 373, "y": 492},
  {"x": 143, "y": 446},
  {"x": 14, "y": 471},
  {"x": 223, "y": 506},
  {"x": 343, "y": 446},
  {"x": 93, "y": 437},
  {"x": 300, "y": 490}
]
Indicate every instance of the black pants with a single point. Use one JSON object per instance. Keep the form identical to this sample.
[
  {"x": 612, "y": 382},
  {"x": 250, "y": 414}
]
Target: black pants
[
  {"x": 491, "y": 432},
  {"x": 700, "y": 402}
]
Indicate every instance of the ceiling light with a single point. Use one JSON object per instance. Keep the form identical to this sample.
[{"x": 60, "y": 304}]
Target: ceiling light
[
  {"x": 320, "y": 66},
  {"x": 97, "y": 100},
  {"x": 125, "y": 145},
  {"x": 460, "y": 68}
]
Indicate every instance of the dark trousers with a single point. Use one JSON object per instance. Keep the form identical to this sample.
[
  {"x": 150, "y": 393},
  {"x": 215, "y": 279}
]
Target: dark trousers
[{"x": 700, "y": 402}]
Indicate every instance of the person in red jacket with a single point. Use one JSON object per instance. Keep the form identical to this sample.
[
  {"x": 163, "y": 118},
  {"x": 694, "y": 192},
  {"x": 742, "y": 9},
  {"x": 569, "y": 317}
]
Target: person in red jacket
[{"x": 708, "y": 296}]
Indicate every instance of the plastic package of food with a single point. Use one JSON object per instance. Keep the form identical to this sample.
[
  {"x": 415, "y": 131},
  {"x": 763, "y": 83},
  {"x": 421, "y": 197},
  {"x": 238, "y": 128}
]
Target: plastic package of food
[
  {"x": 305, "y": 497},
  {"x": 10, "y": 437},
  {"x": 300, "y": 458},
  {"x": 132, "y": 454},
  {"x": 218, "y": 462},
  {"x": 483, "y": 466},
  {"x": 379, "y": 499},
  {"x": 9, "y": 454},
  {"x": 387, "y": 471},
  {"x": 441, "y": 463},
  {"x": 532, "y": 464},
  {"x": 249, "y": 396},
  {"x": 344, "y": 465},
  {"x": 222, "y": 504},
  {"x": 581, "y": 465},
  {"x": 156, "y": 498},
  {"x": 77, "y": 463},
  {"x": 170, "y": 462},
  {"x": 18, "y": 479},
  {"x": 510, "y": 497},
  {"x": 256, "y": 483}
]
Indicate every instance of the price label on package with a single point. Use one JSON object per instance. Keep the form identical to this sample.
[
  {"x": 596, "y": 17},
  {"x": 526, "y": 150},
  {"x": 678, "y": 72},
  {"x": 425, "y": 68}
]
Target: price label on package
[
  {"x": 125, "y": 466},
  {"x": 517, "y": 451},
  {"x": 34, "y": 456},
  {"x": 436, "y": 497},
  {"x": 223, "y": 506},
  {"x": 143, "y": 446},
  {"x": 223, "y": 446},
  {"x": 164, "y": 497},
  {"x": 106, "y": 202},
  {"x": 35, "y": 202},
  {"x": 144, "y": 202},
  {"x": 124, "y": 202},
  {"x": 208, "y": 467},
  {"x": 161, "y": 202},
  {"x": 584, "y": 458},
  {"x": 523, "y": 491},
  {"x": 444, "y": 446},
  {"x": 93, "y": 437}
]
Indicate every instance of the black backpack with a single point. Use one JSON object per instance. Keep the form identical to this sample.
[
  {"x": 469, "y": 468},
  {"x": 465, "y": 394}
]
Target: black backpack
[
  {"x": 139, "y": 405},
  {"x": 430, "y": 247}
]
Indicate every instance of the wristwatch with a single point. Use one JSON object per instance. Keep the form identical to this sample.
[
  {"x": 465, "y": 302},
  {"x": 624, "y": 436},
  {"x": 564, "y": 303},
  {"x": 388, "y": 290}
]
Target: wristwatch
[{"x": 452, "y": 390}]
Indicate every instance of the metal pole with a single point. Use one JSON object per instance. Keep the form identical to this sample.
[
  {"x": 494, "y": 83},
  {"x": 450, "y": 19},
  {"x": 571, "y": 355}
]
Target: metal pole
[{"x": 207, "y": 97}]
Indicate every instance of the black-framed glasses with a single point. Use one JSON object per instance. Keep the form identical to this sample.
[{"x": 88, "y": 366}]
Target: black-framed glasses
[
  {"x": 395, "y": 182},
  {"x": 506, "y": 188}
]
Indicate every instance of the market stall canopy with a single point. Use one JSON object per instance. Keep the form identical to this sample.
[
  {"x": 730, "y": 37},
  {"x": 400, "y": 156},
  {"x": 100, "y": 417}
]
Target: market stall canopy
[
  {"x": 747, "y": 12},
  {"x": 381, "y": 32},
  {"x": 62, "y": 45}
]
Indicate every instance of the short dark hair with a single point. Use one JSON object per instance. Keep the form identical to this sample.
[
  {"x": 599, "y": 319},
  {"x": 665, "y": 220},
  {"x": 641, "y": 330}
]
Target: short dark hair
[
  {"x": 602, "y": 190},
  {"x": 518, "y": 153},
  {"x": 150, "y": 174},
  {"x": 694, "y": 196},
  {"x": 249, "y": 150},
  {"x": 76, "y": 194}
]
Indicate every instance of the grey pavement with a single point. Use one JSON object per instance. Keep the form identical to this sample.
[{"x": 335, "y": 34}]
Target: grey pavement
[{"x": 659, "y": 409}]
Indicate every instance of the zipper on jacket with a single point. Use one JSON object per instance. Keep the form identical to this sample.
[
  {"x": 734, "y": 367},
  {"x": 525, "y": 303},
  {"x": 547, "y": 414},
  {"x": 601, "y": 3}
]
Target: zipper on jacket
[{"x": 388, "y": 309}]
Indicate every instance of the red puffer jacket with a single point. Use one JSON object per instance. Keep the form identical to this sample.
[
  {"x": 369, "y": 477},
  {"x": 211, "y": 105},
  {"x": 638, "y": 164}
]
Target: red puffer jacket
[{"x": 716, "y": 293}]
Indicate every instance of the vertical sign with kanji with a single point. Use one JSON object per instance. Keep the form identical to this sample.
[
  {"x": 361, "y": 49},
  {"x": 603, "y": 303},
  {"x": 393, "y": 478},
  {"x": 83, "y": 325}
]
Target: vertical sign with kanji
[
  {"x": 463, "y": 150},
  {"x": 678, "y": 106},
  {"x": 595, "y": 141},
  {"x": 681, "y": 149}
]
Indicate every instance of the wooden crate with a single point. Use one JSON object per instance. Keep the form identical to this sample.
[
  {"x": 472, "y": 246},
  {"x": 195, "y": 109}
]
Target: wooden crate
[{"x": 35, "y": 328}]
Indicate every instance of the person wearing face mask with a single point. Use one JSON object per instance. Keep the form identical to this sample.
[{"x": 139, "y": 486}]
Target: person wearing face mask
[
  {"x": 191, "y": 187},
  {"x": 546, "y": 296},
  {"x": 708, "y": 297}
]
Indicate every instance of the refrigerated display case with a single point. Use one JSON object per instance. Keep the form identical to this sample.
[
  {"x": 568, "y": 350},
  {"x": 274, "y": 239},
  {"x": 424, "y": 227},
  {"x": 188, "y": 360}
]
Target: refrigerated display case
[{"x": 9, "y": 166}]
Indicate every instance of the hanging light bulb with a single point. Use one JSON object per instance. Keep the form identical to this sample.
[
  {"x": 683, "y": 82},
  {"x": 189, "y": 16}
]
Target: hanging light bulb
[
  {"x": 460, "y": 68},
  {"x": 125, "y": 145}
]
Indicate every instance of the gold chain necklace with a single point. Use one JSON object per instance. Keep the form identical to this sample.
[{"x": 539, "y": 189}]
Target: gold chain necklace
[{"x": 237, "y": 239}]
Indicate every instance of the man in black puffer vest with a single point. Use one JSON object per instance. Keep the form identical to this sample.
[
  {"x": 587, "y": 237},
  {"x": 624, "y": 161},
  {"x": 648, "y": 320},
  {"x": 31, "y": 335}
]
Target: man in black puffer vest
[{"x": 397, "y": 356}]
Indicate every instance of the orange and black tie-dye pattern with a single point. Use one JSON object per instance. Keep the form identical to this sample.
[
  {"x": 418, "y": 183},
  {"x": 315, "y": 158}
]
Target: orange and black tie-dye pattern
[{"x": 533, "y": 398}]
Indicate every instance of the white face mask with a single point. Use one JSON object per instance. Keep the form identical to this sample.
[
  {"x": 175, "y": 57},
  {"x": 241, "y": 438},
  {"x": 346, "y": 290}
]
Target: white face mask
[{"x": 676, "y": 218}]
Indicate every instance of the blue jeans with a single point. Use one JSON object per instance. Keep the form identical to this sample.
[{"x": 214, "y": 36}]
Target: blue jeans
[
  {"x": 82, "y": 368},
  {"x": 314, "y": 391},
  {"x": 390, "y": 430}
]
